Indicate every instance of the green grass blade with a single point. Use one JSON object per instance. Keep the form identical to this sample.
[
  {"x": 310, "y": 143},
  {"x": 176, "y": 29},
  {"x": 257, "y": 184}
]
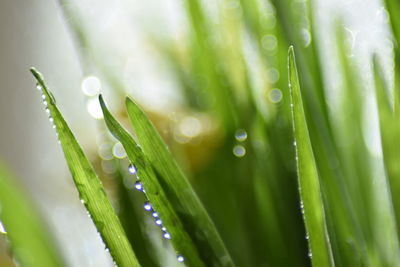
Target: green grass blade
[
  {"x": 30, "y": 241},
  {"x": 310, "y": 192},
  {"x": 178, "y": 188},
  {"x": 154, "y": 191},
  {"x": 393, "y": 7},
  {"x": 390, "y": 132},
  {"x": 90, "y": 187}
]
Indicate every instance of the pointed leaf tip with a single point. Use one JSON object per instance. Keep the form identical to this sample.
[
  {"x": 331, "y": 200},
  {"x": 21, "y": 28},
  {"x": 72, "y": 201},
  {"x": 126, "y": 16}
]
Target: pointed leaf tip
[{"x": 36, "y": 74}]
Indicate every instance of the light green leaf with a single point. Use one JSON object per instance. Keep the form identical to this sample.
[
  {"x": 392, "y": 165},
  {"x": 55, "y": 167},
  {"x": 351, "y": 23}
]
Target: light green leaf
[
  {"x": 309, "y": 186},
  {"x": 30, "y": 240},
  {"x": 89, "y": 186},
  {"x": 390, "y": 133}
]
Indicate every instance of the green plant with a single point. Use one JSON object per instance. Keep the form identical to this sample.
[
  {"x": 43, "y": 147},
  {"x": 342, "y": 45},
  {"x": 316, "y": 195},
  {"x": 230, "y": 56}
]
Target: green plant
[{"x": 231, "y": 194}]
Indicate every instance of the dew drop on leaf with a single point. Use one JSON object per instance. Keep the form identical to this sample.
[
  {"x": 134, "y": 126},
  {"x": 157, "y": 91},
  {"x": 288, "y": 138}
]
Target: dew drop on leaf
[
  {"x": 241, "y": 135},
  {"x": 2, "y": 229},
  {"x": 166, "y": 235},
  {"x": 239, "y": 151},
  {"x": 180, "y": 258},
  {"x": 139, "y": 186},
  {"x": 132, "y": 169},
  {"x": 147, "y": 206}
]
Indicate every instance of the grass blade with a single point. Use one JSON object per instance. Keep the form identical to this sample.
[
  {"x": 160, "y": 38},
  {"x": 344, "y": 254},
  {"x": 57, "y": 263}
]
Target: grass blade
[
  {"x": 29, "y": 237},
  {"x": 390, "y": 132},
  {"x": 90, "y": 188},
  {"x": 314, "y": 215},
  {"x": 178, "y": 188},
  {"x": 154, "y": 191}
]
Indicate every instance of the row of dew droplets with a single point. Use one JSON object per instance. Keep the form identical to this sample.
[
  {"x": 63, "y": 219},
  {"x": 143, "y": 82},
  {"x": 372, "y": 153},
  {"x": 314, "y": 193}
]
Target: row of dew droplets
[
  {"x": 303, "y": 214},
  {"x": 301, "y": 202},
  {"x": 148, "y": 207},
  {"x": 239, "y": 150},
  {"x": 51, "y": 120}
]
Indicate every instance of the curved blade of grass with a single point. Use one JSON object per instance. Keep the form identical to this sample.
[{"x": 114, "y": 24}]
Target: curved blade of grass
[
  {"x": 313, "y": 210},
  {"x": 30, "y": 240},
  {"x": 154, "y": 191},
  {"x": 178, "y": 189},
  {"x": 90, "y": 188}
]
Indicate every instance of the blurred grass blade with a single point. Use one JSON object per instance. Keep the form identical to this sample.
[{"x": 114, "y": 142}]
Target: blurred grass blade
[
  {"x": 178, "y": 189},
  {"x": 393, "y": 8},
  {"x": 90, "y": 188},
  {"x": 390, "y": 133},
  {"x": 310, "y": 192},
  {"x": 30, "y": 240},
  {"x": 154, "y": 191}
]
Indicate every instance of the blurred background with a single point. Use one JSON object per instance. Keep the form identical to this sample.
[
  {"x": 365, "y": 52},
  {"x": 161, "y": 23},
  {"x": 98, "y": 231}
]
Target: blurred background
[{"x": 146, "y": 49}]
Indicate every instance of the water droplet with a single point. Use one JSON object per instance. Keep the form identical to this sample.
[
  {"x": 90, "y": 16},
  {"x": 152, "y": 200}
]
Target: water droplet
[
  {"x": 47, "y": 110},
  {"x": 167, "y": 236},
  {"x": 94, "y": 108},
  {"x": 119, "y": 151},
  {"x": 43, "y": 96},
  {"x": 241, "y": 135},
  {"x": 275, "y": 95},
  {"x": 45, "y": 102},
  {"x": 239, "y": 151},
  {"x": 164, "y": 229},
  {"x": 105, "y": 151},
  {"x": 295, "y": 143},
  {"x": 107, "y": 250},
  {"x": 2, "y": 229},
  {"x": 155, "y": 214},
  {"x": 273, "y": 75},
  {"x": 180, "y": 258},
  {"x": 132, "y": 169},
  {"x": 51, "y": 119},
  {"x": 54, "y": 126},
  {"x": 190, "y": 127},
  {"x": 139, "y": 186},
  {"x": 110, "y": 167},
  {"x": 310, "y": 254},
  {"x": 307, "y": 237},
  {"x": 158, "y": 222},
  {"x": 147, "y": 206},
  {"x": 39, "y": 87},
  {"x": 91, "y": 86},
  {"x": 269, "y": 42},
  {"x": 306, "y": 37}
]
